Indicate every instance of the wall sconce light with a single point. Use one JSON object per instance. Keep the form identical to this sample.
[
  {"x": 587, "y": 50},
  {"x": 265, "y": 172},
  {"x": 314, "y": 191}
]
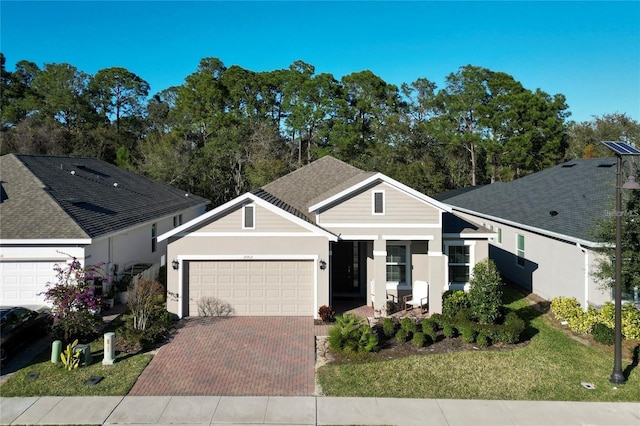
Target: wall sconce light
[
  {"x": 323, "y": 265},
  {"x": 175, "y": 264}
]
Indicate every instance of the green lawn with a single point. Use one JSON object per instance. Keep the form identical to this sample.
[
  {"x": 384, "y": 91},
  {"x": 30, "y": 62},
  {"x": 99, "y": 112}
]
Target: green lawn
[
  {"x": 53, "y": 379},
  {"x": 550, "y": 367}
]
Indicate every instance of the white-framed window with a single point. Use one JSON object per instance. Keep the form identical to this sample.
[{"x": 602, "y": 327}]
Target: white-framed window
[
  {"x": 460, "y": 261},
  {"x": 459, "y": 264},
  {"x": 177, "y": 221},
  {"x": 499, "y": 235},
  {"x": 520, "y": 259},
  {"x": 154, "y": 237},
  {"x": 377, "y": 202},
  {"x": 398, "y": 265},
  {"x": 249, "y": 217}
]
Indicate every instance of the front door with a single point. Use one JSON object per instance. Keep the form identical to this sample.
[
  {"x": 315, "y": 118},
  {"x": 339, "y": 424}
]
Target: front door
[{"x": 345, "y": 269}]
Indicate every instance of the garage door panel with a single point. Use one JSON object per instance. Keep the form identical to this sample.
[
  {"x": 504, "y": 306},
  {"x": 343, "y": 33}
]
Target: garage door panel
[
  {"x": 22, "y": 283},
  {"x": 257, "y": 288}
]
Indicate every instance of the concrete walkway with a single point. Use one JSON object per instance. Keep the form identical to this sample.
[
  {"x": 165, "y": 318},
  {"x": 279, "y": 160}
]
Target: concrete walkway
[{"x": 214, "y": 410}]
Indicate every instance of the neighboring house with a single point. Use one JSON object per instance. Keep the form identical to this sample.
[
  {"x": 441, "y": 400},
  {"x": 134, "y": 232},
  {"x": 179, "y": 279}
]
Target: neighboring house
[
  {"x": 544, "y": 224},
  {"x": 52, "y": 208},
  {"x": 324, "y": 233}
]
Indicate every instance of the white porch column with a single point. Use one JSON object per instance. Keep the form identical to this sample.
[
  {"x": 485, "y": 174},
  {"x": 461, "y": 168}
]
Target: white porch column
[
  {"x": 380, "y": 274},
  {"x": 436, "y": 279}
]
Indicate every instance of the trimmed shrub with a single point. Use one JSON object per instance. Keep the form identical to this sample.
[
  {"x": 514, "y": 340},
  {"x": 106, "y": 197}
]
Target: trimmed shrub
[
  {"x": 418, "y": 339},
  {"x": 630, "y": 322},
  {"x": 454, "y": 301},
  {"x": 512, "y": 328},
  {"x": 485, "y": 294},
  {"x": 483, "y": 340},
  {"x": 565, "y": 308},
  {"x": 448, "y": 331},
  {"x": 402, "y": 335},
  {"x": 603, "y": 334},
  {"x": 388, "y": 327},
  {"x": 468, "y": 333},
  {"x": 429, "y": 328},
  {"x": 408, "y": 325},
  {"x": 436, "y": 320}
]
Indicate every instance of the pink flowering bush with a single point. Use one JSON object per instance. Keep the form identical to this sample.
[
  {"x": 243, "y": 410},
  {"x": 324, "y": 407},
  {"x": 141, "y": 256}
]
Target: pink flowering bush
[{"x": 75, "y": 305}]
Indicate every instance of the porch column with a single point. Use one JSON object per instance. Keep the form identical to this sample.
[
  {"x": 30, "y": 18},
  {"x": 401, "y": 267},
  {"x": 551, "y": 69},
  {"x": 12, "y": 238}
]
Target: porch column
[
  {"x": 380, "y": 274},
  {"x": 437, "y": 281}
]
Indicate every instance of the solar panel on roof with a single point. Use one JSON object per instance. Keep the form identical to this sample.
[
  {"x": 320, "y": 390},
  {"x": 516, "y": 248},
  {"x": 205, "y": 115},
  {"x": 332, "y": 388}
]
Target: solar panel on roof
[{"x": 622, "y": 148}]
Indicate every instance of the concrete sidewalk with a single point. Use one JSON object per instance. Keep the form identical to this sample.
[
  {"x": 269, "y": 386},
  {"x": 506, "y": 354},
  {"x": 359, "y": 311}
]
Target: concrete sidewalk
[{"x": 214, "y": 410}]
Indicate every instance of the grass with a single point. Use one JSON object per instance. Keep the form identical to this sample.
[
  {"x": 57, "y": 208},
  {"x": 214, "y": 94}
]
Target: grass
[
  {"x": 550, "y": 367},
  {"x": 53, "y": 379}
]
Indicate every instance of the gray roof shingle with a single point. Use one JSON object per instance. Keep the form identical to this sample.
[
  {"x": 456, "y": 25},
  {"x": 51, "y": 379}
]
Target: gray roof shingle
[
  {"x": 567, "y": 199},
  {"x": 314, "y": 182},
  {"x": 98, "y": 197}
]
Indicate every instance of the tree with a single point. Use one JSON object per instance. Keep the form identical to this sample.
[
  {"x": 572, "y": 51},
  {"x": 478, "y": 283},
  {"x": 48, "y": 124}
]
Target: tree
[
  {"x": 485, "y": 294},
  {"x": 605, "y": 232},
  {"x": 463, "y": 102},
  {"x": 585, "y": 138},
  {"x": 119, "y": 93}
]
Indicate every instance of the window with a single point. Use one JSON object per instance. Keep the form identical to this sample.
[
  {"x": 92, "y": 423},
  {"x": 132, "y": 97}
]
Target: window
[
  {"x": 520, "y": 250},
  {"x": 378, "y": 202},
  {"x": 177, "y": 221},
  {"x": 154, "y": 239},
  {"x": 397, "y": 264},
  {"x": 459, "y": 264},
  {"x": 499, "y": 235},
  {"x": 248, "y": 217}
]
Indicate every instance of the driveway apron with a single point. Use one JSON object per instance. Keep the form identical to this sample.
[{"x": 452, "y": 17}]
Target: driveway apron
[{"x": 256, "y": 356}]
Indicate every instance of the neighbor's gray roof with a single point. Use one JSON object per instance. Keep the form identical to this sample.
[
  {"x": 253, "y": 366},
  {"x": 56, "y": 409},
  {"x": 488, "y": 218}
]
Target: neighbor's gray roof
[
  {"x": 65, "y": 197},
  {"x": 580, "y": 191},
  {"x": 315, "y": 182}
]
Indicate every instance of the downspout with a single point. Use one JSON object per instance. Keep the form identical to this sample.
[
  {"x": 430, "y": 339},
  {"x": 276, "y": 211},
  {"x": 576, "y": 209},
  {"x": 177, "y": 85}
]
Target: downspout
[{"x": 586, "y": 276}]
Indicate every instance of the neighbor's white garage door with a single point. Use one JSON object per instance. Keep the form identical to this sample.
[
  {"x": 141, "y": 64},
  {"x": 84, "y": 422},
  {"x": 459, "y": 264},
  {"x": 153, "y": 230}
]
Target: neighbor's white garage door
[
  {"x": 254, "y": 288},
  {"x": 21, "y": 283}
]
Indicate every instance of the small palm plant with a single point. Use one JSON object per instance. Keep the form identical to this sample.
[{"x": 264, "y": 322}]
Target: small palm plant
[{"x": 351, "y": 334}]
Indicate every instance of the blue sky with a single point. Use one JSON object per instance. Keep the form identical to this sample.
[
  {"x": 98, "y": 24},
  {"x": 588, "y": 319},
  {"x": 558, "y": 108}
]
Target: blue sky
[{"x": 588, "y": 51}]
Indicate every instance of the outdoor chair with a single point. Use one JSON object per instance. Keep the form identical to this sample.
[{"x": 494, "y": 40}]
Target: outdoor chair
[{"x": 419, "y": 297}]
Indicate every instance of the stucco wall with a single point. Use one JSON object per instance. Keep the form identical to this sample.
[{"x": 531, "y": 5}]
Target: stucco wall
[{"x": 552, "y": 267}]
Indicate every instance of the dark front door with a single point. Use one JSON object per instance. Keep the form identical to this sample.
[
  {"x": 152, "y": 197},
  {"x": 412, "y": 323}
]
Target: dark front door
[{"x": 345, "y": 271}]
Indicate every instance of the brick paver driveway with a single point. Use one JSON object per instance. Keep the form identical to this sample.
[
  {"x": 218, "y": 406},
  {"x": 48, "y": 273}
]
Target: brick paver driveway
[{"x": 235, "y": 356}]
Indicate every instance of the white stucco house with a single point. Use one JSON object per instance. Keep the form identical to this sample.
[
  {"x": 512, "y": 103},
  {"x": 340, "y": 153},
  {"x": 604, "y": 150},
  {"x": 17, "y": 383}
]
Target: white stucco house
[
  {"x": 545, "y": 223},
  {"x": 53, "y": 208},
  {"x": 324, "y": 233}
]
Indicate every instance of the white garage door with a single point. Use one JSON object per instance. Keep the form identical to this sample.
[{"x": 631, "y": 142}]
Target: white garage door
[
  {"x": 254, "y": 288},
  {"x": 21, "y": 283}
]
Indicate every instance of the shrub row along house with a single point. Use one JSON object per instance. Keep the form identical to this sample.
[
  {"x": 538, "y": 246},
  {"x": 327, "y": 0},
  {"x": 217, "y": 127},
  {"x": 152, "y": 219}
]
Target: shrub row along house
[
  {"x": 53, "y": 208},
  {"x": 324, "y": 233}
]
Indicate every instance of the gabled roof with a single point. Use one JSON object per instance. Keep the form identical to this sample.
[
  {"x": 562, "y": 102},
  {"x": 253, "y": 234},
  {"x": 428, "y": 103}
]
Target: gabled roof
[
  {"x": 65, "y": 197},
  {"x": 260, "y": 198},
  {"x": 564, "y": 201},
  {"x": 315, "y": 181},
  {"x": 327, "y": 180}
]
